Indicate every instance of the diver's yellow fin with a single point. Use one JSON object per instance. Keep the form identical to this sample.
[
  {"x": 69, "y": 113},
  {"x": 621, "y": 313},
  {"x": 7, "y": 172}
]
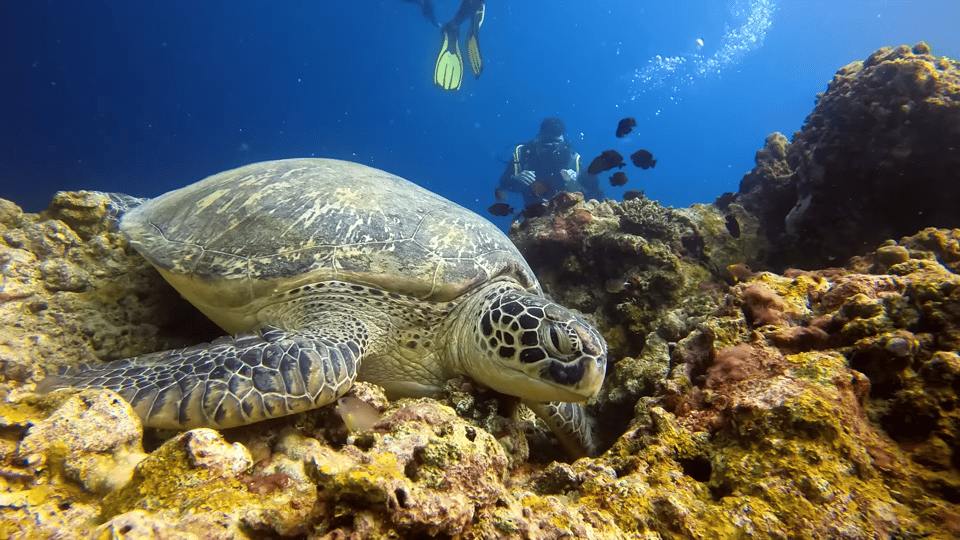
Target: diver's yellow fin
[
  {"x": 448, "y": 73},
  {"x": 473, "y": 41}
]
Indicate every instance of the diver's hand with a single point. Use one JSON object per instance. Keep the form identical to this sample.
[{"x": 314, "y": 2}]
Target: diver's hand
[
  {"x": 527, "y": 177},
  {"x": 569, "y": 175}
]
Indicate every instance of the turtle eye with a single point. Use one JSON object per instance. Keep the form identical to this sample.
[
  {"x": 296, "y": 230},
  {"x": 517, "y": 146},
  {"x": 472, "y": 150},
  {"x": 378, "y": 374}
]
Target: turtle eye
[{"x": 558, "y": 341}]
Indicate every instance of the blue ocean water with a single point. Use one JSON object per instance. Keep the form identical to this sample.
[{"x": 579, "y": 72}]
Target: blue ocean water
[{"x": 143, "y": 97}]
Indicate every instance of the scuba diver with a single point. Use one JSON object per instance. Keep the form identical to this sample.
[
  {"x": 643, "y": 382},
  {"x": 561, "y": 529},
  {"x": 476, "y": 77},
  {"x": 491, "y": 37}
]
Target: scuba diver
[
  {"x": 448, "y": 72},
  {"x": 546, "y": 165}
]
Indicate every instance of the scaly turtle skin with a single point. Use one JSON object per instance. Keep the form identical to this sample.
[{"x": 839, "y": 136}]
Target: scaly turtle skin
[{"x": 329, "y": 271}]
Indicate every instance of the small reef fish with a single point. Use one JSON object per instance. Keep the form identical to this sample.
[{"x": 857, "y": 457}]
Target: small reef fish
[
  {"x": 632, "y": 194},
  {"x": 643, "y": 159},
  {"x": 626, "y": 126},
  {"x": 607, "y": 160},
  {"x": 539, "y": 188},
  {"x": 629, "y": 285},
  {"x": 357, "y": 414},
  {"x": 618, "y": 179},
  {"x": 615, "y": 285},
  {"x": 733, "y": 226},
  {"x": 499, "y": 194},
  {"x": 500, "y": 209},
  {"x": 740, "y": 272}
]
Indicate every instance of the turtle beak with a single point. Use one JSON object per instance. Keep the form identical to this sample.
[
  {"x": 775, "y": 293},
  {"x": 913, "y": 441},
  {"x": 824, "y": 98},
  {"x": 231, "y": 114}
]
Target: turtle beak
[
  {"x": 594, "y": 359},
  {"x": 582, "y": 377},
  {"x": 582, "y": 374}
]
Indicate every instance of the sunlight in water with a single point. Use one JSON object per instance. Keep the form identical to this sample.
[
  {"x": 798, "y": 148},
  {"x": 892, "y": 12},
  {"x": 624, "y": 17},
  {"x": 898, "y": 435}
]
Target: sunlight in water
[{"x": 751, "y": 20}]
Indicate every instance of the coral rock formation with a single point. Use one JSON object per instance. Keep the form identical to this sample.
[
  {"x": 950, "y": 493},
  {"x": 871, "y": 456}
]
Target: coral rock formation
[
  {"x": 878, "y": 158},
  {"x": 818, "y": 403}
]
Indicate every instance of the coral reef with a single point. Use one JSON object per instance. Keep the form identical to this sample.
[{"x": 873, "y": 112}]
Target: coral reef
[
  {"x": 821, "y": 402},
  {"x": 878, "y": 158},
  {"x": 71, "y": 292},
  {"x": 817, "y": 403}
]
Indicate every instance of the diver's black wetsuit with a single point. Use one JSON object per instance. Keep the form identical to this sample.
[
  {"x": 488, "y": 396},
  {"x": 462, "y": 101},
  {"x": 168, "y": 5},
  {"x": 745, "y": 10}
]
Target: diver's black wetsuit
[
  {"x": 467, "y": 9},
  {"x": 426, "y": 7},
  {"x": 546, "y": 161}
]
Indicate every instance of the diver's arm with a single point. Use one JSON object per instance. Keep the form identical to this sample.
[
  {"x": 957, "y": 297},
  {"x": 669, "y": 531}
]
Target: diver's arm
[
  {"x": 515, "y": 177},
  {"x": 510, "y": 182},
  {"x": 590, "y": 184}
]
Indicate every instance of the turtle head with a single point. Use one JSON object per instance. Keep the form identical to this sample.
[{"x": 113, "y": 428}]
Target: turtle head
[{"x": 536, "y": 349}]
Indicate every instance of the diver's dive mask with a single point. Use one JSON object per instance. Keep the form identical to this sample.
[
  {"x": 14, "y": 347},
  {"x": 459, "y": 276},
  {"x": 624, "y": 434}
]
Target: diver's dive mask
[{"x": 550, "y": 146}]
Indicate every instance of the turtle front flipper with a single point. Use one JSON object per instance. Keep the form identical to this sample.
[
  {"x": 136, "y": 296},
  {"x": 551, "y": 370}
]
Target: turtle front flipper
[
  {"x": 229, "y": 382},
  {"x": 571, "y": 424}
]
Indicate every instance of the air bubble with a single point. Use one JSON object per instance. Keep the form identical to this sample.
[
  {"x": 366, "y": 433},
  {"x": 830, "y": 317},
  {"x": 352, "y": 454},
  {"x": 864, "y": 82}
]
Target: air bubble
[{"x": 753, "y": 19}]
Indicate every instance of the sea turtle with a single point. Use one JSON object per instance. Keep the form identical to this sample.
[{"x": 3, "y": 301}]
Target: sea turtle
[{"x": 328, "y": 271}]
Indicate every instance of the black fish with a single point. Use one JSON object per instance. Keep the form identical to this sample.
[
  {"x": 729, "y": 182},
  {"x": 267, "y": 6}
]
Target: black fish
[
  {"x": 643, "y": 159},
  {"x": 631, "y": 194},
  {"x": 733, "y": 226},
  {"x": 607, "y": 160},
  {"x": 625, "y": 126},
  {"x": 534, "y": 210},
  {"x": 618, "y": 179},
  {"x": 500, "y": 209}
]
